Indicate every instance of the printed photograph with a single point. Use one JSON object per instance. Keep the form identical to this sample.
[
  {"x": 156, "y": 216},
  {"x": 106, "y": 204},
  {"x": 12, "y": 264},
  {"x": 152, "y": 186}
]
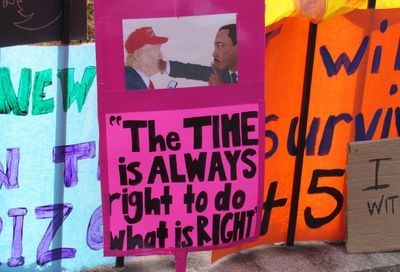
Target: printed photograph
[{"x": 180, "y": 52}]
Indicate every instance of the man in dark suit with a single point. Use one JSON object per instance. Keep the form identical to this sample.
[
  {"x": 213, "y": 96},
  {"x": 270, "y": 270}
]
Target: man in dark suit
[
  {"x": 224, "y": 68},
  {"x": 144, "y": 51}
]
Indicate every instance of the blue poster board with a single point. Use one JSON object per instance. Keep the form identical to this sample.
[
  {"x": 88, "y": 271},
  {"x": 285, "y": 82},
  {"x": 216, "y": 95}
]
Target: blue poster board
[{"x": 50, "y": 215}]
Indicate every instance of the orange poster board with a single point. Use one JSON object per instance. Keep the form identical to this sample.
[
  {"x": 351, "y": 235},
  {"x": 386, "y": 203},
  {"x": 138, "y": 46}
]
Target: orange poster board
[{"x": 354, "y": 96}]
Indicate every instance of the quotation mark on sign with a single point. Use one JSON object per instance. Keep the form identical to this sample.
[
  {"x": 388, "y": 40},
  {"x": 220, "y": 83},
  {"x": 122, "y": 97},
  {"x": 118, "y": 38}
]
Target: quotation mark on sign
[{"x": 116, "y": 119}]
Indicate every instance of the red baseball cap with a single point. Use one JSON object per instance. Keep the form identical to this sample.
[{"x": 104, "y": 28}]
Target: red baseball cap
[{"x": 141, "y": 37}]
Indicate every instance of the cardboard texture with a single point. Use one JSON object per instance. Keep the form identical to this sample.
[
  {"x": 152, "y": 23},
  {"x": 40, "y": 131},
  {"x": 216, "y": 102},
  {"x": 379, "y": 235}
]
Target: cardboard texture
[{"x": 373, "y": 189}]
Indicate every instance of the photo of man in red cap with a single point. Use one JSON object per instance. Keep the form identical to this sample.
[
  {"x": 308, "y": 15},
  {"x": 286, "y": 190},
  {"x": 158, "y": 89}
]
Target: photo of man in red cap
[{"x": 143, "y": 49}]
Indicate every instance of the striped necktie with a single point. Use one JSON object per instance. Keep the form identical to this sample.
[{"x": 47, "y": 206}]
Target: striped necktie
[
  {"x": 151, "y": 85},
  {"x": 234, "y": 77}
]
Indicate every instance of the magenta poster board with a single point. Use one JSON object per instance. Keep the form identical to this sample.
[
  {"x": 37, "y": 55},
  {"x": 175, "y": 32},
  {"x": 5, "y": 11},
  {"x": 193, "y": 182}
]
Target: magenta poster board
[{"x": 181, "y": 140}]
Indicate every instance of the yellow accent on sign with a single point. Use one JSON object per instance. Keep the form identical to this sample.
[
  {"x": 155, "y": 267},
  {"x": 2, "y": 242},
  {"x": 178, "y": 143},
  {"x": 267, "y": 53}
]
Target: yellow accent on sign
[{"x": 318, "y": 10}]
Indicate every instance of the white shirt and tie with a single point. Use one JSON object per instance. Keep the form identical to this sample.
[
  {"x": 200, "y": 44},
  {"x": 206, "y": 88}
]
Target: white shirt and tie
[
  {"x": 234, "y": 76},
  {"x": 146, "y": 80}
]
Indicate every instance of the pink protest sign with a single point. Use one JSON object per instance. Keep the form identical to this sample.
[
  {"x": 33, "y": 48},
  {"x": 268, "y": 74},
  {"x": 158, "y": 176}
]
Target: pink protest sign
[
  {"x": 182, "y": 178},
  {"x": 181, "y": 114}
]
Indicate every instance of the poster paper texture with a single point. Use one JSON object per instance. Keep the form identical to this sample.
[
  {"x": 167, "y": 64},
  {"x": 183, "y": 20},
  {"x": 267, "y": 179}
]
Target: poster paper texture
[
  {"x": 186, "y": 190},
  {"x": 50, "y": 204},
  {"x": 354, "y": 97},
  {"x": 181, "y": 139}
]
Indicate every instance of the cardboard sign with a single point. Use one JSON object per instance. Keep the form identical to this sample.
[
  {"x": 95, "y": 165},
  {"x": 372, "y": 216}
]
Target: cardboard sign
[
  {"x": 373, "y": 196},
  {"x": 31, "y": 21},
  {"x": 182, "y": 145}
]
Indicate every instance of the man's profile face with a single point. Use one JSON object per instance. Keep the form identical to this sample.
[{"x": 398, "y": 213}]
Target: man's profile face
[
  {"x": 148, "y": 59},
  {"x": 225, "y": 53}
]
